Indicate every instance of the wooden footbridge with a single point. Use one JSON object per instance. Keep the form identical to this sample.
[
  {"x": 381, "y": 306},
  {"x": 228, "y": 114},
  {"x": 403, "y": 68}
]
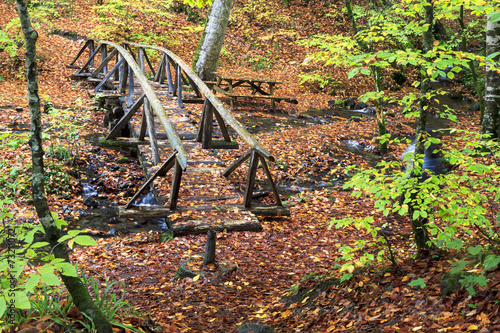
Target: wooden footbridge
[{"x": 146, "y": 88}]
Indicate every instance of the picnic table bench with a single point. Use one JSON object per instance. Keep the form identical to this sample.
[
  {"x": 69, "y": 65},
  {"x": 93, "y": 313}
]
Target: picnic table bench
[{"x": 259, "y": 88}]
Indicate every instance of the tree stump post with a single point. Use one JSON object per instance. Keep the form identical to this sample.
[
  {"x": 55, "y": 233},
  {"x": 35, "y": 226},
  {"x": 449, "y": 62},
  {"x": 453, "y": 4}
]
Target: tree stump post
[
  {"x": 209, "y": 257},
  {"x": 104, "y": 55}
]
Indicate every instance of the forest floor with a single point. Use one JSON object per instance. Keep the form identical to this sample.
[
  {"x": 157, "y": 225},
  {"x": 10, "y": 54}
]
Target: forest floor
[{"x": 286, "y": 275}]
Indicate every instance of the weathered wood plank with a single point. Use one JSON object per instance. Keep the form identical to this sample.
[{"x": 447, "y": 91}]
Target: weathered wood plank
[
  {"x": 161, "y": 212},
  {"x": 202, "y": 227}
]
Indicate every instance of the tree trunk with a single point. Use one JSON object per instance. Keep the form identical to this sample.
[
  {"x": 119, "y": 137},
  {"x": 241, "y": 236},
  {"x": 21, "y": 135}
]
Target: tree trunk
[
  {"x": 213, "y": 38},
  {"x": 75, "y": 285},
  {"x": 201, "y": 41},
  {"x": 491, "y": 121},
  {"x": 419, "y": 224},
  {"x": 379, "y": 110}
]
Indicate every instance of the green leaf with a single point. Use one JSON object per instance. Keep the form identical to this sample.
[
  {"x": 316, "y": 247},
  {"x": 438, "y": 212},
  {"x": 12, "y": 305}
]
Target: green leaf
[
  {"x": 67, "y": 269},
  {"x": 457, "y": 267},
  {"x": 450, "y": 75},
  {"x": 50, "y": 278},
  {"x": 22, "y": 301},
  {"x": 3, "y": 306},
  {"x": 418, "y": 282},
  {"x": 345, "y": 277},
  {"x": 32, "y": 282},
  {"x": 39, "y": 244},
  {"x": 474, "y": 250},
  {"x": 455, "y": 244},
  {"x": 366, "y": 71},
  {"x": 492, "y": 56},
  {"x": 491, "y": 261},
  {"x": 495, "y": 16},
  {"x": 85, "y": 240}
]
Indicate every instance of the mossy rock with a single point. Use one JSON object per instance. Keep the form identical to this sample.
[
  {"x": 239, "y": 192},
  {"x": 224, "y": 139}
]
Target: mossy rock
[
  {"x": 118, "y": 143},
  {"x": 255, "y": 328},
  {"x": 311, "y": 293},
  {"x": 123, "y": 160},
  {"x": 193, "y": 267},
  {"x": 450, "y": 283}
]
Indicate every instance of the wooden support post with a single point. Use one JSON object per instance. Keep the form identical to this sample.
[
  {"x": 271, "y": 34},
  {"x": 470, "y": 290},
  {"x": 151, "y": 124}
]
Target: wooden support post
[
  {"x": 130, "y": 87},
  {"x": 176, "y": 83},
  {"x": 151, "y": 132},
  {"x": 106, "y": 78},
  {"x": 118, "y": 73},
  {"x": 236, "y": 164},
  {"x": 271, "y": 93},
  {"x": 169, "y": 75},
  {"x": 270, "y": 180},
  {"x": 91, "y": 53},
  {"x": 127, "y": 46},
  {"x": 179, "y": 87},
  {"x": 208, "y": 119},
  {"x": 80, "y": 52},
  {"x": 167, "y": 165},
  {"x": 230, "y": 89},
  {"x": 104, "y": 55},
  {"x": 124, "y": 77},
  {"x": 194, "y": 87},
  {"x": 252, "y": 174},
  {"x": 104, "y": 63},
  {"x": 199, "y": 135},
  {"x": 125, "y": 119},
  {"x": 209, "y": 257},
  {"x": 90, "y": 61},
  {"x": 144, "y": 126},
  {"x": 159, "y": 71},
  {"x": 176, "y": 184},
  {"x": 141, "y": 60},
  {"x": 149, "y": 63},
  {"x": 222, "y": 125}
]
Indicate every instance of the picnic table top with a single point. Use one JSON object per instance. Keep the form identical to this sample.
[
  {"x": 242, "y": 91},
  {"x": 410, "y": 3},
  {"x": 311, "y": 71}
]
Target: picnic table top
[{"x": 243, "y": 77}]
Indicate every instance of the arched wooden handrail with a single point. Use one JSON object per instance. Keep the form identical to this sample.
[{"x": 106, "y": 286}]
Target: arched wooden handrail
[
  {"x": 154, "y": 102},
  {"x": 216, "y": 103}
]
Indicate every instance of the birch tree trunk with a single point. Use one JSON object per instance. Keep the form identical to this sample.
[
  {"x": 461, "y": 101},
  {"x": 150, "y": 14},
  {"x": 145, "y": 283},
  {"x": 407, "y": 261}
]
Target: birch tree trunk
[
  {"x": 419, "y": 223},
  {"x": 75, "y": 286},
  {"x": 213, "y": 38},
  {"x": 491, "y": 120}
]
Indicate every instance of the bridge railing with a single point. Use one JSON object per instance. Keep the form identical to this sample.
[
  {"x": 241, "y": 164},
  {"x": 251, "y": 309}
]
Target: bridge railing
[{"x": 127, "y": 62}]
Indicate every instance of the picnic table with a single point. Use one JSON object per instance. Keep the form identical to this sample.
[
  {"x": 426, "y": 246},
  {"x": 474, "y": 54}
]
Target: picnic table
[{"x": 259, "y": 88}]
